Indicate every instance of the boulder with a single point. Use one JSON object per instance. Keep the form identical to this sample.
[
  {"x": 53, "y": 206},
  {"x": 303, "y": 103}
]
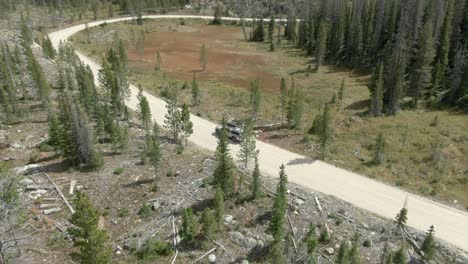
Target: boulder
[
  {"x": 299, "y": 201},
  {"x": 228, "y": 219},
  {"x": 27, "y": 169},
  {"x": 241, "y": 240},
  {"x": 212, "y": 258},
  {"x": 329, "y": 251}
]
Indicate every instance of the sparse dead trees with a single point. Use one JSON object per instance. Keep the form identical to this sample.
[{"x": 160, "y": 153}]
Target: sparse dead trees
[
  {"x": 92, "y": 243},
  {"x": 247, "y": 149},
  {"x": 255, "y": 98},
  {"x": 203, "y": 57}
]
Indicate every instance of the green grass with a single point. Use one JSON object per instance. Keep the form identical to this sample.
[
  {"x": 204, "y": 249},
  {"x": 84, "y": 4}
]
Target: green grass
[{"x": 429, "y": 159}]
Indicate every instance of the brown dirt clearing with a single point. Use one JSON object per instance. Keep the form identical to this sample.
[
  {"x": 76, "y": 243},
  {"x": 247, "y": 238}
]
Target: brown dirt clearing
[{"x": 227, "y": 63}]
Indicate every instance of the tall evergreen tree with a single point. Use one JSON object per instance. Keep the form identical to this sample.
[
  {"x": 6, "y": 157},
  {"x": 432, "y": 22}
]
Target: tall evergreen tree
[
  {"x": 271, "y": 28},
  {"x": 442, "y": 57},
  {"x": 379, "y": 149},
  {"x": 256, "y": 181},
  {"x": 196, "y": 95},
  {"x": 92, "y": 243},
  {"x": 321, "y": 47},
  {"x": 172, "y": 118},
  {"x": 186, "y": 126},
  {"x": 219, "y": 207},
  {"x": 255, "y": 98},
  {"x": 283, "y": 98},
  {"x": 420, "y": 79},
  {"x": 428, "y": 246},
  {"x": 377, "y": 89},
  {"x": 325, "y": 132},
  {"x": 247, "y": 149},
  {"x": 312, "y": 244},
  {"x": 189, "y": 230},
  {"x": 276, "y": 254},
  {"x": 144, "y": 110},
  {"x": 223, "y": 173}
]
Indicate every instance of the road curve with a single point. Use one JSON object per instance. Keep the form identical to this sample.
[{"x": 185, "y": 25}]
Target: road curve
[{"x": 384, "y": 200}]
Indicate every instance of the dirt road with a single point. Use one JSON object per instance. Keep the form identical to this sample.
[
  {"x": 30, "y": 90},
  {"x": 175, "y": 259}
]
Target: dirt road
[{"x": 384, "y": 200}]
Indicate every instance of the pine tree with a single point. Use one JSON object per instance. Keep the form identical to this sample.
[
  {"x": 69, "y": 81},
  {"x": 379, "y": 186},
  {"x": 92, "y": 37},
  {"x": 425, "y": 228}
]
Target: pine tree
[
  {"x": 255, "y": 98},
  {"x": 248, "y": 143},
  {"x": 219, "y": 207},
  {"x": 428, "y": 245},
  {"x": 223, "y": 174},
  {"x": 402, "y": 217},
  {"x": 354, "y": 254},
  {"x": 92, "y": 243},
  {"x": 456, "y": 78},
  {"x": 153, "y": 149},
  {"x": 276, "y": 253},
  {"x": 312, "y": 244},
  {"x": 442, "y": 59},
  {"x": 321, "y": 45},
  {"x": 208, "y": 223},
  {"x": 217, "y": 20},
  {"x": 420, "y": 79},
  {"x": 259, "y": 34},
  {"x": 325, "y": 133},
  {"x": 186, "y": 126},
  {"x": 144, "y": 109},
  {"x": 341, "y": 93},
  {"x": 158, "y": 61},
  {"x": 188, "y": 227},
  {"x": 196, "y": 96},
  {"x": 256, "y": 180},
  {"x": 399, "y": 257},
  {"x": 291, "y": 107},
  {"x": 343, "y": 254},
  {"x": 172, "y": 118},
  {"x": 299, "y": 109},
  {"x": 271, "y": 29},
  {"x": 279, "y": 206},
  {"x": 379, "y": 149},
  {"x": 376, "y": 89},
  {"x": 203, "y": 57},
  {"x": 283, "y": 98},
  {"x": 48, "y": 48}
]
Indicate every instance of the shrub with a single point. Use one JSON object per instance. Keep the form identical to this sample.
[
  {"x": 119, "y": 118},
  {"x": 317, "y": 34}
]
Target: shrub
[
  {"x": 153, "y": 248},
  {"x": 169, "y": 173},
  {"x": 367, "y": 243},
  {"x": 145, "y": 211},
  {"x": 123, "y": 212},
  {"x": 118, "y": 171}
]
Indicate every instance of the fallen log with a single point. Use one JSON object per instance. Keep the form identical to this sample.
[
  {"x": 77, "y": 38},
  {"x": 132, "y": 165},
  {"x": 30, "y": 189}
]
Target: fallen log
[
  {"x": 204, "y": 255},
  {"x": 38, "y": 187},
  {"x": 72, "y": 187},
  {"x": 46, "y": 206},
  {"x": 52, "y": 210},
  {"x": 58, "y": 190}
]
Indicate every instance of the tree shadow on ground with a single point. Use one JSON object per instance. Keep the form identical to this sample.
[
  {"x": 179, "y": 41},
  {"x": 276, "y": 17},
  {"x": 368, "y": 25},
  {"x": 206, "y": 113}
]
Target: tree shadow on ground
[
  {"x": 56, "y": 167},
  {"x": 301, "y": 161},
  {"x": 359, "y": 105},
  {"x": 258, "y": 254}
]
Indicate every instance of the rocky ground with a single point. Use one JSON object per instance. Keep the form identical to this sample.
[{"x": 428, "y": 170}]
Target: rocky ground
[{"x": 121, "y": 187}]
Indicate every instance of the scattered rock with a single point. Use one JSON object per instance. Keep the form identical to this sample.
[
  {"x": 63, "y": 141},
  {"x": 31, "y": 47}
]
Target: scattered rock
[
  {"x": 118, "y": 250},
  {"x": 241, "y": 240},
  {"x": 177, "y": 173},
  {"x": 245, "y": 261},
  {"x": 299, "y": 201},
  {"x": 155, "y": 205},
  {"x": 15, "y": 146},
  {"x": 212, "y": 258},
  {"x": 329, "y": 251},
  {"x": 28, "y": 169},
  {"x": 26, "y": 181},
  {"x": 228, "y": 219},
  {"x": 113, "y": 221}
]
